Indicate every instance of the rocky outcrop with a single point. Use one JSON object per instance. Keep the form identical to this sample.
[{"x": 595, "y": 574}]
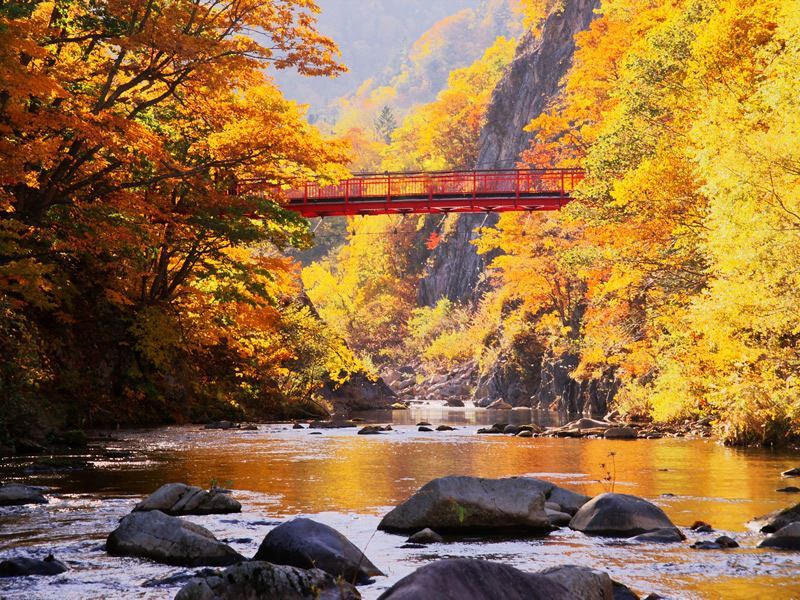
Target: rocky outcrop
[
  {"x": 529, "y": 377},
  {"x": 23, "y": 567},
  {"x": 532, "y": 81},
  {"x": 15, "y": 494},
  {"x": 306, "y": 544},
  {"x": 471, "y": 504},
  {"x": 619, "y": 515},
  {"x": 258, "y": 580},
  {"x": 169, "y": 540},
  {"x": 180, "y": 499}
]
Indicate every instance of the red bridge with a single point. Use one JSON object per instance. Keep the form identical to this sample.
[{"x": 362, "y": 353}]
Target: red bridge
[{"x": 433, "y": 192}]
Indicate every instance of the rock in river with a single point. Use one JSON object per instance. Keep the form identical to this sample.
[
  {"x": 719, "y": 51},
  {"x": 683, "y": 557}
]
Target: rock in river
[
  {"x": 426, "y": 536},
  {"x": 778, "y": 520},
  {"x": 499, "y": 404},
  {"x": 467, "y": 504},
  {"x": 662, "y": 536},
  {"x": 463, "y": 578},
  {"x": 791, "y": 472},
  {"x": 180, "y": 499},
  {"x": 22, "y": 567},
  {"x": 619, "y": 515},
  {"x": 786, "y": 538},
  {"x": 16, "y": 494},
  {"x": 259, "y": 580},
  {"x": 582, "y": 582},
  {"x": 169, "y": 540},
  {"x": 306, "y": 544}
]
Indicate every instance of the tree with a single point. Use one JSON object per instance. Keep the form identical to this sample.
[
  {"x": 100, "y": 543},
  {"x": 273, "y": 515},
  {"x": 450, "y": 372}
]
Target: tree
[
  {"x": 385, "y": 124},
  {"x": 124, "y": 128}
]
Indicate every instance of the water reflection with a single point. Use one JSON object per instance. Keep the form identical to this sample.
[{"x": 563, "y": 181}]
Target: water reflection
[{"x": 351, "y": 480}]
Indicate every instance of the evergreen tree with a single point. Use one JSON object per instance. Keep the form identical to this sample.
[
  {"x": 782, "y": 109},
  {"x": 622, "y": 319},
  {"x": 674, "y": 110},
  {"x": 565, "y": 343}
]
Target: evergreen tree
[{"x": 385, "y": 124}]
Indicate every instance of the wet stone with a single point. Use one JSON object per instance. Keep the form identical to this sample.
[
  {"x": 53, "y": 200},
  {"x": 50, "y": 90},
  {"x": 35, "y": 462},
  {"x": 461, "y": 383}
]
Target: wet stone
[
  {"x": 426, "y": 536},
  {"x": 24, "y": 566},
  {"x": 16, "y": 494}
]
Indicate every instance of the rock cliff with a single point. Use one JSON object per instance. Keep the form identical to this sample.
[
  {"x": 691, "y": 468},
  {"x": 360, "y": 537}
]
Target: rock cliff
[
  {"x": 532, "y": 81},
  {"x": 531, "y": 376}
]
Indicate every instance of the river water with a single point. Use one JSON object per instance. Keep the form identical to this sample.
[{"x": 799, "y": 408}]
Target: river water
[{"x": 350, "y": 481}]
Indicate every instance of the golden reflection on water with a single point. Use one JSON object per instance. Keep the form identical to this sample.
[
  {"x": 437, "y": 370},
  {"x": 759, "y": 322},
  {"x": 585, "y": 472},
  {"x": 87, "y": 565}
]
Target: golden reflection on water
[
  {"x": 340, "y": 471},
  {"x": 342, "y": 476}
]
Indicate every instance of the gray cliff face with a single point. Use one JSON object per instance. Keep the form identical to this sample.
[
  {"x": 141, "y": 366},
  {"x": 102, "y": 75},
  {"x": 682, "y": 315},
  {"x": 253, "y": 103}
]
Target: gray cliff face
[
  {"x": 532, "y": 81},
  {"x": 530, "y": 376}
]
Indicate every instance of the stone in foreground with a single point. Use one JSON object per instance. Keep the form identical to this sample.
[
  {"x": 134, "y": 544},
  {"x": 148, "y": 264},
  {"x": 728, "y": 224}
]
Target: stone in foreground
[
  {"x": 16, "y": 494},
  {"x": 306, "y": 544},
  {"x": 786, "y": 538},
  {"x": 260, "y": 580},
  {"x": 619, "y": 515},
  {"x": 462, "y": 579},
  {"x": 470, "y": 504},
  {"x": 180, "y": 499},
  {"x": 23, "y": 567},
  {"x": 169, "y": 540}
]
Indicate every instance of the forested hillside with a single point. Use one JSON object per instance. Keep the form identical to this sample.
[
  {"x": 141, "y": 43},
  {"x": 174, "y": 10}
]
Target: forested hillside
[
  {"x": 373, "y": 37},
  {"x": 675, "y": 272},
  {"x": 134, "y": 287},
  {"x": 137, "y": 284}
]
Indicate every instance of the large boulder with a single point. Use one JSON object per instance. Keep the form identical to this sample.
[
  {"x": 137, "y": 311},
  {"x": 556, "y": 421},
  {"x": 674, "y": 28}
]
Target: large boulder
[
  {"x": 582, "y": 582},
  {"x": 463, "y": 578},
  {"x": 259, "y": 580},
  {"x": 180, "y": 499},
  {"x": 786, "y": 538},
  {"x": 778, "y": 520},
  {"x": 169, "y": 540},
  {"x": 16, "y": 494},
  {"x": 22, "y": 567},
  {"x": 306, "y": 544},
  {"x": 619, "y": 515},
  {"x": 468, "y": 504}
]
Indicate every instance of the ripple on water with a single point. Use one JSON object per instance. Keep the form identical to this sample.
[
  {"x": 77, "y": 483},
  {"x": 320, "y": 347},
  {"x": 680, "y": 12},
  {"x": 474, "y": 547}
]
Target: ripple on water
[{"x": 349, "y": 481}]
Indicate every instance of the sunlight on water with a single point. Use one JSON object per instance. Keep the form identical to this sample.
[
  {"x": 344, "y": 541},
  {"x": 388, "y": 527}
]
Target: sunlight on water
[{"x": 349, "y": 481}]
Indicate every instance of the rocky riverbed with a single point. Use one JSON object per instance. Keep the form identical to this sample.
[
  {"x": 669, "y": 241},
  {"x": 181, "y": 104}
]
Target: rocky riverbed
[{"x": 351, "y": 483}]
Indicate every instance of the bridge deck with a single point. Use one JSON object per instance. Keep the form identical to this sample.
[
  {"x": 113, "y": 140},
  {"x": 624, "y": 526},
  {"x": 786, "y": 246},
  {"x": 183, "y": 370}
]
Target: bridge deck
[{"x": 438, "y": 192}]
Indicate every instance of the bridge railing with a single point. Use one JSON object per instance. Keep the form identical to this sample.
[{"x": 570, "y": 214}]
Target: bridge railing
[{"x": 450, "y": 184}]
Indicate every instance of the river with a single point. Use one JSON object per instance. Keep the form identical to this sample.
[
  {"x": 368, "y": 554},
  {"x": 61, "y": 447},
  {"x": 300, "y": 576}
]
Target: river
[{"x": 350, "y": 481}]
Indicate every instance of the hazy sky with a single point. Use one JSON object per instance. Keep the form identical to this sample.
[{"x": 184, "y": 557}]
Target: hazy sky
[{"x": 371, "y": 34}]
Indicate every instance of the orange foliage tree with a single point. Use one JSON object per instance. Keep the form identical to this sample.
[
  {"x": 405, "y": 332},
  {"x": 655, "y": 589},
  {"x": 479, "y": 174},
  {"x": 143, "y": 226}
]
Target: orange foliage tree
[{"x": 124, "y": 126}]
